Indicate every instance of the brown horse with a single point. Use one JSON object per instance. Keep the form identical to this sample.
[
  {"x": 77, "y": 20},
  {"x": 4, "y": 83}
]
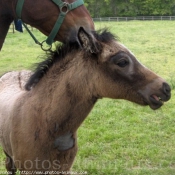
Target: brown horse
[
  {"x": 38, "y": 127},
  {"x": 43, "y": 14}
]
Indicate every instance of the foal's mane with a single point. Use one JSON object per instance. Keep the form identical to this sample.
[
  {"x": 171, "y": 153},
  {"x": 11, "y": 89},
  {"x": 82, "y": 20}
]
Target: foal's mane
[{"x": 59, "y": 54}]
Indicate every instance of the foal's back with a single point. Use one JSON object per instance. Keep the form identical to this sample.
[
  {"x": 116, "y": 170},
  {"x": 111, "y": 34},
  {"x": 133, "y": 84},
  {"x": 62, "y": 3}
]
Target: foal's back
[
  {"x": 14, "y": 80},
  {"x": 11, "y": 88}
]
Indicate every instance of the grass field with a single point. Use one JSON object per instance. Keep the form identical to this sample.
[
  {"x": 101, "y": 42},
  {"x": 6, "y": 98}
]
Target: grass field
[{"x": 118, "y": 137}]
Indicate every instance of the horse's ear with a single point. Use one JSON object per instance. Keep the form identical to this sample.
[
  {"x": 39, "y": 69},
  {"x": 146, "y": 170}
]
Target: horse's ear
[{"x": 87, "y": 41}]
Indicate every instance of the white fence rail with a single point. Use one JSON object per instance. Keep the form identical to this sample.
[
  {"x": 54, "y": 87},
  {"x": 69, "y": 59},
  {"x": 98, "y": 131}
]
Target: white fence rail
[{"x": 142, "y": 18}]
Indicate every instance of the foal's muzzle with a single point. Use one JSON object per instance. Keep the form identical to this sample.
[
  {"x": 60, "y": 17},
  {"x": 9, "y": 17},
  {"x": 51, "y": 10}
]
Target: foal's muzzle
[
  {"x": 167, "y": 91},
  {"x": 156, "y": 93}
]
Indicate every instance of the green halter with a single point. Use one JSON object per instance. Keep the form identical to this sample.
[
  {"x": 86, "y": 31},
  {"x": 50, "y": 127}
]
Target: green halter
[{"x": 64, "y": 9}]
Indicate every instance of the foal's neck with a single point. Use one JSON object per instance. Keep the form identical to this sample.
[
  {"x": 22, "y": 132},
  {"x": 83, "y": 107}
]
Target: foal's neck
[{"x": 67, "y": 97}]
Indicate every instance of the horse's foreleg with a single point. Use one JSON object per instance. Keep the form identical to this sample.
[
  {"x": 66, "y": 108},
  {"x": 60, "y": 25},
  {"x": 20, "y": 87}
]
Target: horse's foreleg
[
  {"x": 10, "y": 166},
  {"x": 5, "y": 22}
]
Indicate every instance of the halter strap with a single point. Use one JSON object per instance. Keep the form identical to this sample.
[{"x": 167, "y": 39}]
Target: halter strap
[
  {"x": 71, "y": 6},
  {"x": 19, "y": 7},
  {"x": 61, "y": 17},
  {"x": 64, "y": 9}
]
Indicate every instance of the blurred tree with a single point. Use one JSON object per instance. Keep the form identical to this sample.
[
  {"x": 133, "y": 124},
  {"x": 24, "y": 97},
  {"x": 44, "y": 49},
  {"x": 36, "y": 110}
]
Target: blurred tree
[{"x": 110, "y": 8}]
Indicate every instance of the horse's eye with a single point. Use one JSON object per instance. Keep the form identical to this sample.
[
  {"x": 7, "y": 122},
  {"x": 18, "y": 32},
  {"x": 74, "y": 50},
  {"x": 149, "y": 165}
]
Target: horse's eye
[
  {"x": 122, "y": 63},
  {"x": 120, "y": 59}
]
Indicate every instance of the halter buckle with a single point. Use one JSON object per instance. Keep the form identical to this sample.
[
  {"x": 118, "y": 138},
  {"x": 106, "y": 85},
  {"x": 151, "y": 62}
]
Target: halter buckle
[
  {"x": 64, "y": 8},
  {"x": 45, "y": 47}
]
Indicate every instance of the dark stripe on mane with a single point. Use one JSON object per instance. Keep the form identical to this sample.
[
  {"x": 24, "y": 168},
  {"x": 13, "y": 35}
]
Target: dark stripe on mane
[
  {"x": 52, "y": 57},
  {"x": 104, "y": 36},
  {"x": 61, "y": 51}
]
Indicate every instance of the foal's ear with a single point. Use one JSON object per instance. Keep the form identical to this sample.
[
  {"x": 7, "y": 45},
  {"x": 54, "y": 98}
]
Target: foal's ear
[{"x": 87, "y": 41}]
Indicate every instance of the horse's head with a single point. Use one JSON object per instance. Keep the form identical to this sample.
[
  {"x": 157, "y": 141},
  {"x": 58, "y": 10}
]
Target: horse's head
[
  {"x": 66, "y": 16},
  {"x": 79, "y": 17},
  {"x": 120, "y": 75}
]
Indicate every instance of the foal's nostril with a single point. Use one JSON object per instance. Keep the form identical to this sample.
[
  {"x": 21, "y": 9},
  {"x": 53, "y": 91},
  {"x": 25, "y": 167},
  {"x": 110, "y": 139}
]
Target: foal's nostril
[{"x": 166, "y": 89}]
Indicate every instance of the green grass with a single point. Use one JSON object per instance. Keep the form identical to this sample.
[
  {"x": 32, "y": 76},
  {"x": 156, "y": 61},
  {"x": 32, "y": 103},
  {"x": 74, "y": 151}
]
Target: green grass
[{"x": 119, "y": 137}]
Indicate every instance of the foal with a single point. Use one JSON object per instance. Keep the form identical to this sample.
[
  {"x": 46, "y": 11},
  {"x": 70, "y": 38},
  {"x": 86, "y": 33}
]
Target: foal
[{"x": 39, "y": 126}]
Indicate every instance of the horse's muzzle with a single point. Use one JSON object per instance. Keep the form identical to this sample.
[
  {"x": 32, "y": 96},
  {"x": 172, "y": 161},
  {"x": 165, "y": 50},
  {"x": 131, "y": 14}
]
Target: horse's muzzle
[{"x": 155, "y": 96}]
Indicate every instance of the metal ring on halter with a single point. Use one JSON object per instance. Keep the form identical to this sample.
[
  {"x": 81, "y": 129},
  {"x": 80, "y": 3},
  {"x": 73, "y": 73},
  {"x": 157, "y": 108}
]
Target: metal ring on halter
[
  {"x": 65, "y": 4},
  {"x": 42, "y": 47}
]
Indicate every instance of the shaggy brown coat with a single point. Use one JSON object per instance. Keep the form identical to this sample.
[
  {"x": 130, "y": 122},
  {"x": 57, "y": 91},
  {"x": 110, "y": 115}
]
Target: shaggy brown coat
[{"x": 36, "y": 125}]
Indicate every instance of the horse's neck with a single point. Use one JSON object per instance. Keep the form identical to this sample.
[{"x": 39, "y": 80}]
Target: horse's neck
[{"x": 65, "y": 99}]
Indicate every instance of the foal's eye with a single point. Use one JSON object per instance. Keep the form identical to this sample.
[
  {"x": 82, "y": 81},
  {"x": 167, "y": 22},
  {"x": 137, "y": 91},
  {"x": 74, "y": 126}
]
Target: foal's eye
[
  {"x": 122, "y": 63},
  {"x": 121, "y": 59}
]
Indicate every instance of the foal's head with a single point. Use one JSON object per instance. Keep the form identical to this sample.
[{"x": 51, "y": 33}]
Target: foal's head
[
  {"x": 120, "y": 74},
  {"x": 111, "y": 69}
]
